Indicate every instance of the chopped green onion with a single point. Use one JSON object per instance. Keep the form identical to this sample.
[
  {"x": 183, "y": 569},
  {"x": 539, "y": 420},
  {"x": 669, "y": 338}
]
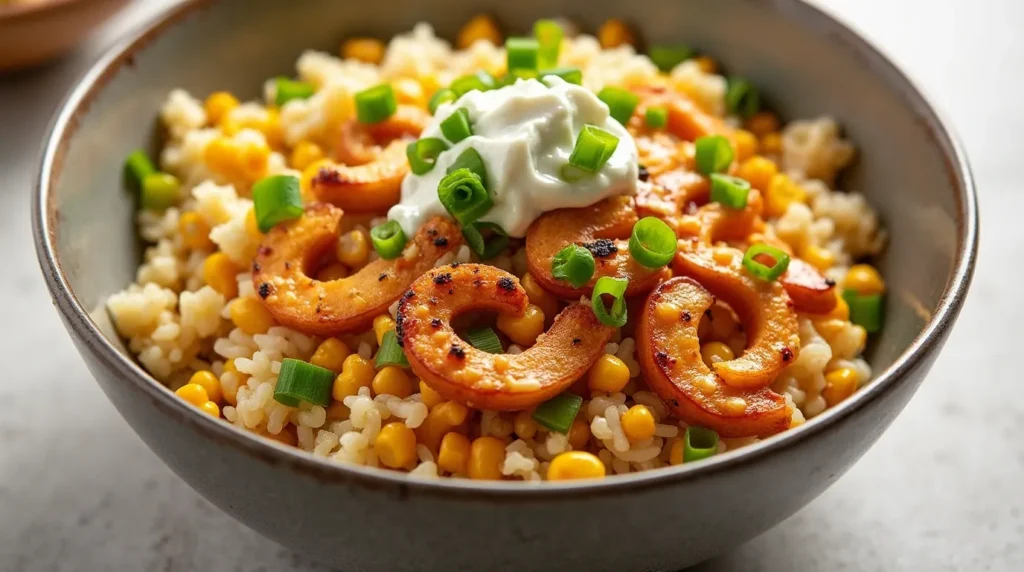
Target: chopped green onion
[
  {"x": 712, "y": 153},
  {"x": 159, "y": 191},
  {"x": 486, "y": 247},
  {"x": 866, "y": 310},
  {"x": 513, "y": 76},
  {"x": 521, "y": 53},
  {"x": 742, "y": 98},
  {"x": 480, "y": 80},
  {"x": 594, "y": 146},
  {"x": 668, "y": 57},
  {"x": 760, "y": 270},
  {"x": 653, "y": 243},
  {"x": 138, "y": 165},
  {"x": 442, "y": 96},
  {"x": 423, "y": 154},
  {"x": 730, "y": 191},
  {"x": 464, "y": 196},
  {"x": 276, "y": 199},
  {"x": 574, "y": 264},
  {"x": 557, "y": 413},
  {"x": 388, "y": 239},
  {"x": 621, "y": 103},
  {"x": 699, "y": 443},
  {"x": 300, "y": 381},
  {"x": 376, "y": 104},
  {"x": 470, "y": 159},
  {"x": 549, "y": 38},
  {"x": 570, "y": 75},
  {"x": 616, "y": 288},
  {"x": 456, "y": 126},
  {"x": 571, "y": 173},
  {"x": 485, "y": 340},
  {"x": 656, "y": 117},
  {"x": 390, "y": 353},
  {"x": 287, "y": 89}
]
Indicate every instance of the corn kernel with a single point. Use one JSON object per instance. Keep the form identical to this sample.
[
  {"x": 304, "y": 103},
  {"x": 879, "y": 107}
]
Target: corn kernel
[
  {"x": 396, "y": 446},
  {"x": 839, "y": 384},
  {"x": 356, "y": 372},
  {"x": 382, "y": 324},
  {"x": 818, "y": 257},
  {"x": 675, "y": 452},
  {"x": 479, "y": 27},
  {"x": 579, "y": 433},
  {"x": 758, "y": 171},
  {"x": 523, "y": 425},
  {"x": 714, "y": 352},
  {"x": 252, "y": 227},
  {"x": 272, "y": 129},
  {"x": 841, "y": 310},
  {"x": 220, "y": 273},
  {"x": 353, "y": 248},
  {"x": 430, "y": 397},
  {"x": 392, "y": 380},
  {"x": 441, "y": 419},
  {"x": 252, "y": 159},
  {"x": 667, "y": 312},
  {"x": 864, "y": 280},
  {"x": 638, "y": 423},
  {"x": 309, "y": 174},
  {"x": 771, "y": 143},
  {"x": 746, "y": 144},
  {"x": 193, "y": 393},
  {"x": 335, "y": 271},
  {"x": 782, "y": 192},
  {"x": 331, "y": 354},
  {"x": 209, "y": 382},
  {"x": 706, "y": 64},
  {"x": 523, "y": 330},
  {"x": 762, "y": 123},
  {"x": 195, "y": 233},
  {"x": 453, "y": 455},
  {"x": 217, "y": 106},
  {"x": 251, "y": 316},
  {"x": 369, "y": 50},
  {"x": 409, "y": 92},
  {"x": 614, "y": 33},
  {"x": 575, "y": 465},
  {"x": 486, "y": 455},
  {"x": 452, "y": 412},
  {"x": 210, "y": 408},
  {"x": 305, "y": 154},
  {"x": 221, "y": 156},
  {"x": 608, "y": 374},
  {"x": 540, "y": 297}
]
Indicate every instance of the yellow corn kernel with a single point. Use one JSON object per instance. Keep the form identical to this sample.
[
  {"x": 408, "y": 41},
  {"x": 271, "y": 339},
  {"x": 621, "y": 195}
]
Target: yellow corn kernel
[
  {"x": 309, "y": 173},
  {"x": 272, "y": 129},
  {"x": 382, "y": 324},
  {"x": 782, "y": 192},
  {"x": 614, "y": 33},
  {"x": 452, "y": 412},
  {"x": 675, "y": 452},
  {"x": 842, "y": 309},
  {"x": 392, "y": 380},
  {"x": 217, "y": 106},
  {"x": 353, "y": 248},
  {"x": 251, "y": 316},
  {"x": 211, "y": 409},
  {"x": 771, "y": 143},
  {"x": 252, "y": 159},
  {"x": 454, "y": 453},
  {"x": 330, "y": 272},
  {"x": 667, "y": 312},
  {"x": 608, "y": 374},
  {"x": 479, "y": 27},
  {"x": 221, "y": 156},
  {"x": 839, "y": 384},
  {"x": 706, "y": 64},
  {"x": 221, "y": 274},
  {"x": 523, "y": 330},
  {"x": 762, "y": 123},
  {"x": 409, "y": 92},
  {"x": 746, "y": 144},
  {"x": 540, "y": 297},
  {"x": 714, "y": 352},
  {"x": 305, "y": 154},
  {"x": 430, "y": 397},
  {"x": 638, "y": 423},
  {"x": 195, "y": 233},
  {"x": 575, "y": 465},
  {"x": 441, "y": 419},
  {"x": 523, "y": 425},
  {"x": 209, "y": 382},
  {"x": 193, "y": 393},
  {"x": 758, "y": 171},
  {"x": 818, "y": 257},
  {"x": 396, "y": 446},
  {"x": 369, "y": 50},
  {"x": 252, "y": 227},
  {"x": 864, "y": 280},
  {"x": 486, "y": 455},
  {"x": 331, "y": 354},
  {"x": 356, "y": 372},
  {"x": 579, "y": 433}
]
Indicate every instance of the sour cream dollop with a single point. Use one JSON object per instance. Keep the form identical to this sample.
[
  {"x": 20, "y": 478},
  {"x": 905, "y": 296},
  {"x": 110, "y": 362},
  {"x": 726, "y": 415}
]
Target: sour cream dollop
[{"x": 524, "y": 133}]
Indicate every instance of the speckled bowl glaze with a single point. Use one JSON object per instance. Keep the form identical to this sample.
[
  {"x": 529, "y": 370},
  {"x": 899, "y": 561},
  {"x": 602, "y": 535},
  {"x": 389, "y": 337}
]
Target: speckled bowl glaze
[{"x": 359, "y": 518}]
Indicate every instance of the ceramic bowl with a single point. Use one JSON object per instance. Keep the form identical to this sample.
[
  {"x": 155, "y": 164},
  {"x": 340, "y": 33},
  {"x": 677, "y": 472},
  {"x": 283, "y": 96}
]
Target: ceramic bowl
[
  {"x": 910, "y": 168},
  {"x": 31, "y": 34}
]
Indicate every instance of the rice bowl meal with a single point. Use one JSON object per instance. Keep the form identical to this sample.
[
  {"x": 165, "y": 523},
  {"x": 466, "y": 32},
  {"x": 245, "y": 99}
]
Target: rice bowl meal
[{"x": 541, "y": 257}]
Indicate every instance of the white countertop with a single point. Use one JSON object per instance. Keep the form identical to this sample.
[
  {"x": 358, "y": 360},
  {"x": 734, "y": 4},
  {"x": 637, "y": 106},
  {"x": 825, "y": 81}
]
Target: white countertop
[{"x": 942, "y": 489}]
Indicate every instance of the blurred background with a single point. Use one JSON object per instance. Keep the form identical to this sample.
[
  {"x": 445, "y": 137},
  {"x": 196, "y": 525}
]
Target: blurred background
[{"x": 940, "y": 490}]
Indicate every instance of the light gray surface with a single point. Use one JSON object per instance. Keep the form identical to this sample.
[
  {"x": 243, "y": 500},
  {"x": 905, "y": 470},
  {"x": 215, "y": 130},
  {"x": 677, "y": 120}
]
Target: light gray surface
[{"x": 941, "y": 490}]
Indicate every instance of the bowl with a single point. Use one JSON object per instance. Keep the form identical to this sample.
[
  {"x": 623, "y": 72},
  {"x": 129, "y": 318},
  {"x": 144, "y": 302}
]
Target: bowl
[
  {"x": 31, "y": 34},
  {"x": 360, "y": 518}
]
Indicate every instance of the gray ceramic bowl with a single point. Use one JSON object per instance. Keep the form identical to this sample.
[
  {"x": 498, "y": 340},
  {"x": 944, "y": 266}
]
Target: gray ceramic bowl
[{"x": 364, "y": 519}]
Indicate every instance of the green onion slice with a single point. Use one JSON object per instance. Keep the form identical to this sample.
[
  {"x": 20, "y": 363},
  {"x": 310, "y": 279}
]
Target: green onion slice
[
  {"x": 464, "y": 196},
  {"x": 390, "y": 353},
  {"x": 570, "y": 75},
  {"x": 456, "y": 126},
  {"x": 481, "y": 81},
  {"x": 159, "y": 191},
  {"x": 616, "y": 288},
  {"x": 760, "y": 270},
  {"x": 287, "y": 89},
  {"x": 388, "y": 239},
  {"x": 470, "y": 159},
  {"x": 668, "y": 57},
  {"x": 376, "y": 104},
  {"x": 557, "y": 413},
  {"x": 486, "y": 239},
  {"x": 485, "y": 340},
  {"x": 866, "y": 310},
  {"x": 549, "y": 39},
  {"x": 423, "y": 154},
  {"x": 441, "y": 96},
  {"x": 138, "y": 165},
  {"x": 276, "y": 199},
  {"x": 301, "y": 381},
  {"x": 621, "y": 103},
  {"x": 713, "y": 154},
  {"x": 699, "y": 443},
  {"x": 522, "y": 53},
  {"x": 742, "y": 98},
  {"x": 653, "y": 243},
  {"x": 573, "y": 264},
  {"x": 513, "y": 76},
  {"x": 730, "y": 191},
  {"x": 594, "y": 146},
  {"x": 656, "y": 117}
]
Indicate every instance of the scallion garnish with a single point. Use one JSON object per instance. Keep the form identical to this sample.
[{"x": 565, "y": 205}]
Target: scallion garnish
[
  {"x": 699, "y": 443},
  {"x": 276, "y": 199},
  {"x": 138, "y": 165},
  {"x": 621, "y": 103},
  {"x": 594, "y": 146},
  {"x": 558, "y": 413},
  {"x": 712, "y": 154},
  {"x": 423, "y": 154},
  {"x": 668, "y": 57},
  {"x": 485, "y": 340},
  {"x": 287, "y": 89},
  {"x": 574, "y": 264},
  {"x": 486, "y": 239},
  {"x": 390, "y": 353},
  {"x": 159, "y": 191},
  {"x": 388, "y": 239},
  {"x": 521, "y": 53},
  {"x": 653, "y": 243},
  {"x": 866, "y": 310},
  {"x": 470, "y": 159},
  {"x": 759, "y": 269},
  {"x": 616, "y": 288},
  {"x": 549, "y": 37},
  {"x": 300, "y": 381},
  {"x": 464, "y": 196},
  {"x": 480, "y": 80},
  {"x": 656, "y": 117},
  {"x": 456, "y": 126},
  {"x": 730, "y": 191},
  {"x": 570, "y": 75},
  {"x": 513, "y": 76},
  {"x": 441, "y": 96},
  {"x": 742, "y": 98},
  {"x": 375, "y": 104}
]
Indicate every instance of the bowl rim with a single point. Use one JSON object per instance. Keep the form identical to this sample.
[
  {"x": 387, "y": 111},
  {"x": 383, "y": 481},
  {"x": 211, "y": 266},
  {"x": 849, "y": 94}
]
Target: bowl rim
[{"x": 44, "y": 222}]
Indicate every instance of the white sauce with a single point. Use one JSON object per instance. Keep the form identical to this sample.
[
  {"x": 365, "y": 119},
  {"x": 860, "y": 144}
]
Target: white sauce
[{"x": 524, "y": 133}]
